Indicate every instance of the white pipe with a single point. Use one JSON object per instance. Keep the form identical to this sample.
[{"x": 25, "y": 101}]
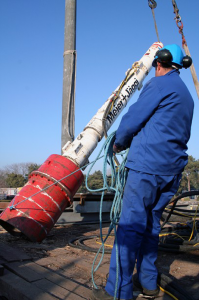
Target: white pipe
[{"x": 81, "y": 148}]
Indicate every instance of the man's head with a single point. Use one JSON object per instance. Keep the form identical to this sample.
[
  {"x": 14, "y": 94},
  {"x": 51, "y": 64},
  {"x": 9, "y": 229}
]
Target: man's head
[{"x": 170, "y": 57}]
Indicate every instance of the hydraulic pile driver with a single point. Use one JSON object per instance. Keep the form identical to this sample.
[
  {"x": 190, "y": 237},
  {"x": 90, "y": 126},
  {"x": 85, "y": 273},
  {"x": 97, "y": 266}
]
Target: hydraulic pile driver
[{"x": 50, "y": 189}]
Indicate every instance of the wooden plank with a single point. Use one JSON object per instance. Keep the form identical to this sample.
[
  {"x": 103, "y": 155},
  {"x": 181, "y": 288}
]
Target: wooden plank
[
  {"x": 10, "y": 254},
  {"x": 57, "y": 291},
  {"x": 38, "y": 275},
  {"x": 80, "y": 262},
  {"x": 45, "y": 262},
  {"x": 86, "y": 265},
  {"x": 62, "y": 261},
  {"x": 70, "y": 285},
  {"x": 14, "y": 287},
  {"x": 34, "y": 267},
  {"x": 25, "y": 271}
]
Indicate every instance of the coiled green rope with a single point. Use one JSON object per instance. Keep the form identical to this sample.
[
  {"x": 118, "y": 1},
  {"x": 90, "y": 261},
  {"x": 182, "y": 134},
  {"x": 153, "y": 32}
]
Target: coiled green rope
[{"x": 118, "y": 180}]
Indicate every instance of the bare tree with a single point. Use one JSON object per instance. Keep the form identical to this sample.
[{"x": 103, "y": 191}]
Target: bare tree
[
  {"x": 20, "y": 168},
  {"x": 3, "y": 183}
]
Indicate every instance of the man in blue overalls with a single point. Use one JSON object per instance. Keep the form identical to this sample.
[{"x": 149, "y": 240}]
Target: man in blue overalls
[{"x": 157, "y": 129}]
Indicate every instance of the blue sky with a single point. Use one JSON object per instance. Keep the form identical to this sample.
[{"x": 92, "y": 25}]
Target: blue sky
[{"x": 111, "y": 36}]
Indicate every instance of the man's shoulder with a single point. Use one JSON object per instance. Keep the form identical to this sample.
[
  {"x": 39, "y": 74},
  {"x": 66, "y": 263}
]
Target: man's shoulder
[
  {"x": 150, "y": 82},
  {"x": 163, "y": 80}
]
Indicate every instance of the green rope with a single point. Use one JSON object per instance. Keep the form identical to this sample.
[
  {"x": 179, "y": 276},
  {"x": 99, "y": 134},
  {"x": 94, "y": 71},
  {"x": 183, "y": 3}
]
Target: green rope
[{"x": 118, "y": 180}]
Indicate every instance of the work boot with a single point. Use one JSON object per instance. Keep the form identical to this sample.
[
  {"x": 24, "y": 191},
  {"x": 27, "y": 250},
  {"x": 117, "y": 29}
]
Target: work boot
[
  {"x": 101, "y": 294},
  {"x": 152, "y": 293}
]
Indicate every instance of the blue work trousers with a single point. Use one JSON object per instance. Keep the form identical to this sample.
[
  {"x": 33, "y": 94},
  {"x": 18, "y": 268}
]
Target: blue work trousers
[{"x": 144, "y": 200}]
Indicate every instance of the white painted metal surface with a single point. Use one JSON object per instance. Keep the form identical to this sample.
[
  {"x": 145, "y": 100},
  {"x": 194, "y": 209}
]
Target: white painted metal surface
[{"x": 81, "y": 148}]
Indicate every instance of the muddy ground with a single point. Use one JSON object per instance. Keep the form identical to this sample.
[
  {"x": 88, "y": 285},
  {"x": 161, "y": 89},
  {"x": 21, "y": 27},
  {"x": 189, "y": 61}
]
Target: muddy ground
[{"x": 182, "y": 266}]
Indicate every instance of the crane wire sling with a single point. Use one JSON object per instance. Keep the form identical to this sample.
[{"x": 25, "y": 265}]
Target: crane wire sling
[
  {"x": 117, "y": 184},
  {"x": 152, "y": 4}
]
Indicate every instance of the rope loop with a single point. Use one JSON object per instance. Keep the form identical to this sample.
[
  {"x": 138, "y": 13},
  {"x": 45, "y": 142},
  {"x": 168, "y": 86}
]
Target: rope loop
[
  {"x": 152, "y": 4},
  {"x": 118, "y": 180}
]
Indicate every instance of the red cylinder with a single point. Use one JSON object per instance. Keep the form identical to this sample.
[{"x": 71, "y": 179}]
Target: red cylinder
[{"x": 47, "y": 198}]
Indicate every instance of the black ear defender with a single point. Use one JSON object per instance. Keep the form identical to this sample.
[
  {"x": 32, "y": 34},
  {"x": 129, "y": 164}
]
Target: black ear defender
[
  {"x": 172, "y": 55},
  {"x": 187, "y": 61},
  {"x": 164, "y": 56}
]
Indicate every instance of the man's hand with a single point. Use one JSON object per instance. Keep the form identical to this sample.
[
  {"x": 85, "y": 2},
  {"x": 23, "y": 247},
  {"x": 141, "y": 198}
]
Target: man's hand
[{"x": 116, "y": 149}]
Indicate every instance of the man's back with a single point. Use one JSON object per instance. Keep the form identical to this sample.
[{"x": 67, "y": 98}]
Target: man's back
[{"x": 160, "y": 145}]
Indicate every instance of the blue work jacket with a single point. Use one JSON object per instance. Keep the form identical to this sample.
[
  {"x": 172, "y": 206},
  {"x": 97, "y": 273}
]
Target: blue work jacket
[{"x": 157, "y": 127}]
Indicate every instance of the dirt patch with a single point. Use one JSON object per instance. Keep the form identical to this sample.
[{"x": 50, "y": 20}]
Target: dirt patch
[{"x": 57, "y": 253}]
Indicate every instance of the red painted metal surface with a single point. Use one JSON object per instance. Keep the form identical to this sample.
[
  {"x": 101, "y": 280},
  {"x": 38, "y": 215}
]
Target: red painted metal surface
[{"x": 36, "y": 216}]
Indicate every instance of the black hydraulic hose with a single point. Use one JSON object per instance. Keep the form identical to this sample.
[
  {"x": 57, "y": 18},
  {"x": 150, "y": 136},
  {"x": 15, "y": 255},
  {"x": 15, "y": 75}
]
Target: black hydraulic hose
[
  {"x": 170, "y": 240},
  {"x": 167, "y": 247},
  {"x": 180, "y": 228},
  {"x": 186, "y": 194},
  {"x": 173, "y": 287},
  {"x": 167, "y": 243},
  {"x": 167, "y": 284},
  {"x": 181, "y": 242},
  {"x": 176, "y": 248},
  {"x": 180, "y": 238},
  {"x": 183, "y": 212},
  {"x": 78, "y": 242}
]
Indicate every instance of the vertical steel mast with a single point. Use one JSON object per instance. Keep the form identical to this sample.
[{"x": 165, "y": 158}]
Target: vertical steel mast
[{"x": 69, "y": 73}]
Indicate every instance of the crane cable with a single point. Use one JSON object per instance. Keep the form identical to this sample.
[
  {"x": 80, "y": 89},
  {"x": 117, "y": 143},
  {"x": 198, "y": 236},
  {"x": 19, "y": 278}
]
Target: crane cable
[
  {"x": 152, "y": 4},
  {"x": 184, "y": 44}
]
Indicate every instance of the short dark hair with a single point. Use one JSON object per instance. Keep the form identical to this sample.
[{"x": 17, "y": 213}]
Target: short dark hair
[{"x": 165, "y": 65}]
